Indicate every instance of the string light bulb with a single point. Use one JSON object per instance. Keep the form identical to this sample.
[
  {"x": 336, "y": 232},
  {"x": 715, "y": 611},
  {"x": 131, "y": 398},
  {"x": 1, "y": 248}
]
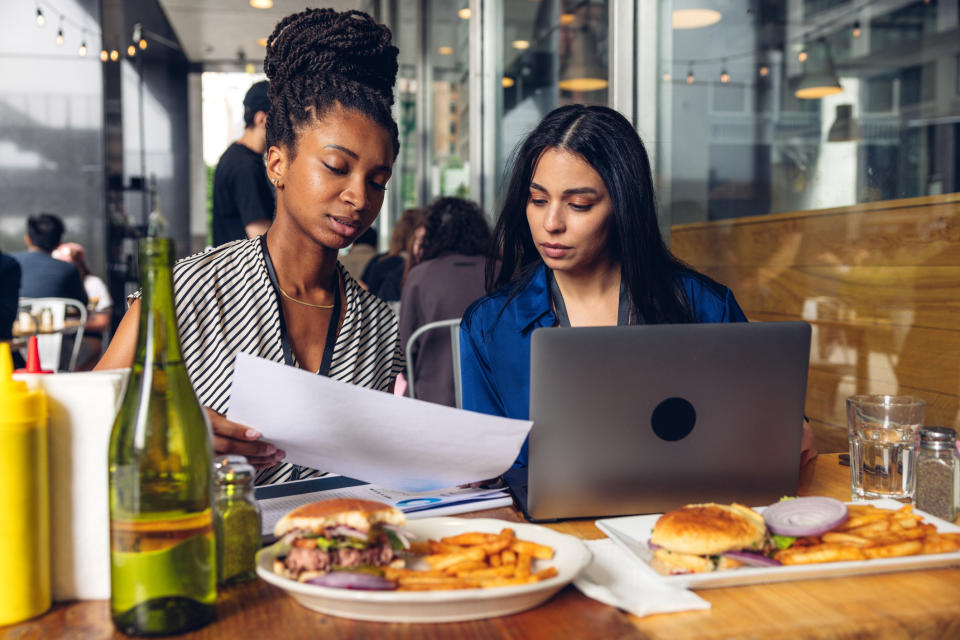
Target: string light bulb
[
  {"x": 114, "y": 54},
  {"x": 143, "y": 44},
  {"x": 40, "y": 19},
  {"x": 131, "y": 51},
  {"x": 764, "y": 71},
  {"x": 83, "y": 49},
  {"x": 802, "y": 56},
  {"x": 856, "y": 29},
  {"x": 104, "y": 56},
  {"x": 60, "y": 37},
  {"x": 690, "y": 76},
  {"x": 724, "y": 76},
  {"x": 667, "y": 77},
  {"x": 464, "y": 14}
]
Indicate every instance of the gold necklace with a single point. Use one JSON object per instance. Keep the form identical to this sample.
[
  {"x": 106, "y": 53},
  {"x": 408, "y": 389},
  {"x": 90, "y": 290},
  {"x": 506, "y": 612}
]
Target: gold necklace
[{"x": 304, "y": 302}]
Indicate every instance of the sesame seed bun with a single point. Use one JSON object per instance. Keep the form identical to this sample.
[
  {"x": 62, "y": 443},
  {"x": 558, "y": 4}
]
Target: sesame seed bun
[
  {"x": 709, "y": 529},
  {"x": 351, "y": 512}
]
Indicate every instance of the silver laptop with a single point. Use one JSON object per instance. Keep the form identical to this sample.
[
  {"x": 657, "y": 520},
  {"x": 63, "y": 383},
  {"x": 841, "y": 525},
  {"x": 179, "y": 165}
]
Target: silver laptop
[{"x": 644, "y": 419}]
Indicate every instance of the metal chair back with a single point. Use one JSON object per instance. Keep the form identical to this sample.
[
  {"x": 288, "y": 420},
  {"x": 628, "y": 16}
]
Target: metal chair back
[
  {"x": 453, "y": 325},
  {"x": 50, "y": 343}
]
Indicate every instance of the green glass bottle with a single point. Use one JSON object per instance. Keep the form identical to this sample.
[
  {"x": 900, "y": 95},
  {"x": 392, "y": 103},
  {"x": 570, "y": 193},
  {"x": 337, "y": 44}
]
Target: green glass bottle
[{"x": 162, "y": 555}]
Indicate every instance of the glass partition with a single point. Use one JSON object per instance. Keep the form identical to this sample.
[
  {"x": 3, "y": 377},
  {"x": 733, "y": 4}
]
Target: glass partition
[{"x": 768, "y": 107}]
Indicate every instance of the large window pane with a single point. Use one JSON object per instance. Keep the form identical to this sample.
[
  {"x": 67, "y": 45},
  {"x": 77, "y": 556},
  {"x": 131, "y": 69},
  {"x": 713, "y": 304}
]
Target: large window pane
[{"x": 773, "y": 107}]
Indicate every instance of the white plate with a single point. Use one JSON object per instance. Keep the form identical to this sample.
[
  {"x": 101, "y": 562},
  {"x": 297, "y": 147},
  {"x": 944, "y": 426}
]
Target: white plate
[
  {"x": 631, "y": 533},
  {"x": 570, "y": 557}
]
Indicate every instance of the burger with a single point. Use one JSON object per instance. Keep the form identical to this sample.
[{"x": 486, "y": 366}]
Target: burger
[
  {"x": 699, "y": 538},
  {"x": 340, "y": 535}
]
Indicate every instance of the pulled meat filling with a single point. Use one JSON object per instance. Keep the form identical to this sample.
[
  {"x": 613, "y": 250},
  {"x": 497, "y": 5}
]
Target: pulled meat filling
[{"x": 303, "y": 559}]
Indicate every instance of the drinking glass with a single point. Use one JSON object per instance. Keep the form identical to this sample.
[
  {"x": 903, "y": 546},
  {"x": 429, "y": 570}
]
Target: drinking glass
[{"x": 882, "y": 431}]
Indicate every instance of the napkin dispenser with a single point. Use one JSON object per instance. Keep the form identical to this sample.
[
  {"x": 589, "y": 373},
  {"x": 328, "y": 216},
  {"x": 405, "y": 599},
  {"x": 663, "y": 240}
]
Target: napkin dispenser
[{"x": 82, "y": 407}]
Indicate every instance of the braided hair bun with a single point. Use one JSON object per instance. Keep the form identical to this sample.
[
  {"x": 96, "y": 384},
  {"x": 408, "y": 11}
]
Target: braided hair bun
[{"x": 321, "y": 58}]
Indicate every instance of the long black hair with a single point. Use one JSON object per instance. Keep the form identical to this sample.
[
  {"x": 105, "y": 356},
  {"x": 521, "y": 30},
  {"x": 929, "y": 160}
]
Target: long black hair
[
  {"x": 455, "y": 225},
  {"x": 609, "y": 144},
  {"x": 320, "y": 58}
]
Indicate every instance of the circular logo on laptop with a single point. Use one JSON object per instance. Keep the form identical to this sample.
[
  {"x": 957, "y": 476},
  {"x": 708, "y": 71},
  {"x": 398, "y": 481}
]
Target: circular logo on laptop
[{"x": 673, "y": 419}]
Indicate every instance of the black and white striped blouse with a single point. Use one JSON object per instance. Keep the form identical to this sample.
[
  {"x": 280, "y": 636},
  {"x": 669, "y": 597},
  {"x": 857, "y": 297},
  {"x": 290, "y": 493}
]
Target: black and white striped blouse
[{"x": 226, "y": 304}]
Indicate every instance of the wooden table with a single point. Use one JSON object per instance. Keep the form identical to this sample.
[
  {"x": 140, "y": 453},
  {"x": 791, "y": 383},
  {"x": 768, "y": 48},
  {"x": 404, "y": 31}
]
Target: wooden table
[{"x": 916, "y": 605}]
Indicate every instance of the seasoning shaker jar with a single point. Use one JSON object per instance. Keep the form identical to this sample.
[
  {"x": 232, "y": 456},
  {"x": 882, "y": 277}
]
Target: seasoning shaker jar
[
  {"x": 236, "y": 519},
  {"x": 938, "y": 470}
]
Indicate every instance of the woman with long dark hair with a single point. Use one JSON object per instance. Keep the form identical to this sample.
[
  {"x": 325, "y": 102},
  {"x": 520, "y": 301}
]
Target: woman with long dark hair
[
  {"x": 579, "y": 246},
  {"x": 448, "y": 277}
]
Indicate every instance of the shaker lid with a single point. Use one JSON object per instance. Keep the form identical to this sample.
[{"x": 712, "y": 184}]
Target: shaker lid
[
  {"x": 937, "y": 436},
  {"x": 233, "y": 469}
]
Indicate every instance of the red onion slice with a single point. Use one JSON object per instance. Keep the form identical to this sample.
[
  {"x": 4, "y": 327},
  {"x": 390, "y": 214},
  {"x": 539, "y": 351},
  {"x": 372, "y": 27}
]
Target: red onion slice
[
  {"x": 751, "y": 559},
  {"x": 346, "y": 532},
  {"x": 353, "y": 580},
  {"x": 804, "y": 516}
]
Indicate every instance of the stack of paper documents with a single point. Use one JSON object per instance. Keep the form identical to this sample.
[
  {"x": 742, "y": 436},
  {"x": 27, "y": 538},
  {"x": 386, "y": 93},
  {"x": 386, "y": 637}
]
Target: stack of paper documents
[
  {"x": 277, "y": 500},
  {"x": 401, "y": 443}
]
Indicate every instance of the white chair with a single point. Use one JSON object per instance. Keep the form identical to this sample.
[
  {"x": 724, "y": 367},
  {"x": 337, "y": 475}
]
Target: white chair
[
  {"x": 454, "y": 327},
  {"x": 49, "y": 344}
]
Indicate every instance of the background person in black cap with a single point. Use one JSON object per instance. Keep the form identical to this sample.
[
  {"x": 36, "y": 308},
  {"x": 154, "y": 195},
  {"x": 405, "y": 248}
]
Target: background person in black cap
[{"x": 242, "y": 197}]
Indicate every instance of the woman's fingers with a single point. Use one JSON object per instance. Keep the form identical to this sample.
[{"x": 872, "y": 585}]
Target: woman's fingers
[
  {"x": 258, "y": 449},
  {"x": 223, "y": 427},
  {"x": 230, "y": 437}
]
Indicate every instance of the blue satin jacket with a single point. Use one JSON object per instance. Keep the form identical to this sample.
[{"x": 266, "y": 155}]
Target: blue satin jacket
[{"x": 495, "y": 353}]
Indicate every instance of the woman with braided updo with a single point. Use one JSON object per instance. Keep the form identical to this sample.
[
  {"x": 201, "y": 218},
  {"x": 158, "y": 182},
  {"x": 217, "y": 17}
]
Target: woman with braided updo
[{"x": 331, "y": 144}]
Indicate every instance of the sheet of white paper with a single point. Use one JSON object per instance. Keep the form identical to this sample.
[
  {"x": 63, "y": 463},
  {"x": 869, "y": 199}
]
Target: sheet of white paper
[
  {"x": 415, "y": 505},
  {"x": 393, "y": 442}
]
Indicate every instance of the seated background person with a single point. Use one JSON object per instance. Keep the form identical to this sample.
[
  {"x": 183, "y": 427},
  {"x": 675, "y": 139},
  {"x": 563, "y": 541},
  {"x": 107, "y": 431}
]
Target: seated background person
[
  {"x": 447, "y": 279},
  {"x": 42, "y": 275},
  {"x": 100, "y": 307}
]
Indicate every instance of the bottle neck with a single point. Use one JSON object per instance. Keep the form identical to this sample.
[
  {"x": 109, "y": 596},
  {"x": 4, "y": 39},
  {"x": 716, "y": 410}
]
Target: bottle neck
[{"x": 157, "y": 342}]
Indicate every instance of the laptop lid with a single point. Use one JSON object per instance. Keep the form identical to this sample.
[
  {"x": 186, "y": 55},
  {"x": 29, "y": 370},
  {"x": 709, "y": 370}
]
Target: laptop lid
[{"x": 643, "y": 419}]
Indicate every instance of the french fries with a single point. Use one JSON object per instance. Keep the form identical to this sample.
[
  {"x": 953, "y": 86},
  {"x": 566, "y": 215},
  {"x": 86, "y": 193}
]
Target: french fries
[
  {"x": 870, "y": 532},
  {"x": 475, "y": 560}
]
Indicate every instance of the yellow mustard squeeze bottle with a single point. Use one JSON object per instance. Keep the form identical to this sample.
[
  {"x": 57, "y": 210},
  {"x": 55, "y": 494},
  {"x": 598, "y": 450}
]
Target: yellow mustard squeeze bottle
[{"x": 24, "y": 498}]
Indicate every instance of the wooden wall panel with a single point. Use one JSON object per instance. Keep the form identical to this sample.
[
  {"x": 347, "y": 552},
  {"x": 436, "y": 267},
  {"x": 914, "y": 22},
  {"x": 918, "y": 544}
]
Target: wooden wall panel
[{"x": 880, "y": 283}]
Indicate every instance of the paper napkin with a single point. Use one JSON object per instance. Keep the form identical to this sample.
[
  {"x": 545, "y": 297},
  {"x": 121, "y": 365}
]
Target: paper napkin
[
  {"x": 81, "y": 408},
  {"x": 617, "y": 579}
]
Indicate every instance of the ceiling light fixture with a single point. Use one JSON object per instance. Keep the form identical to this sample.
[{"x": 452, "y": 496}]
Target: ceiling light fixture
[
  {"x": 845, "y": 127},
  {"x": 819, "y": 82},
  {"x": 581, "y": 70},
  {"x": 695, "y": 18}
]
